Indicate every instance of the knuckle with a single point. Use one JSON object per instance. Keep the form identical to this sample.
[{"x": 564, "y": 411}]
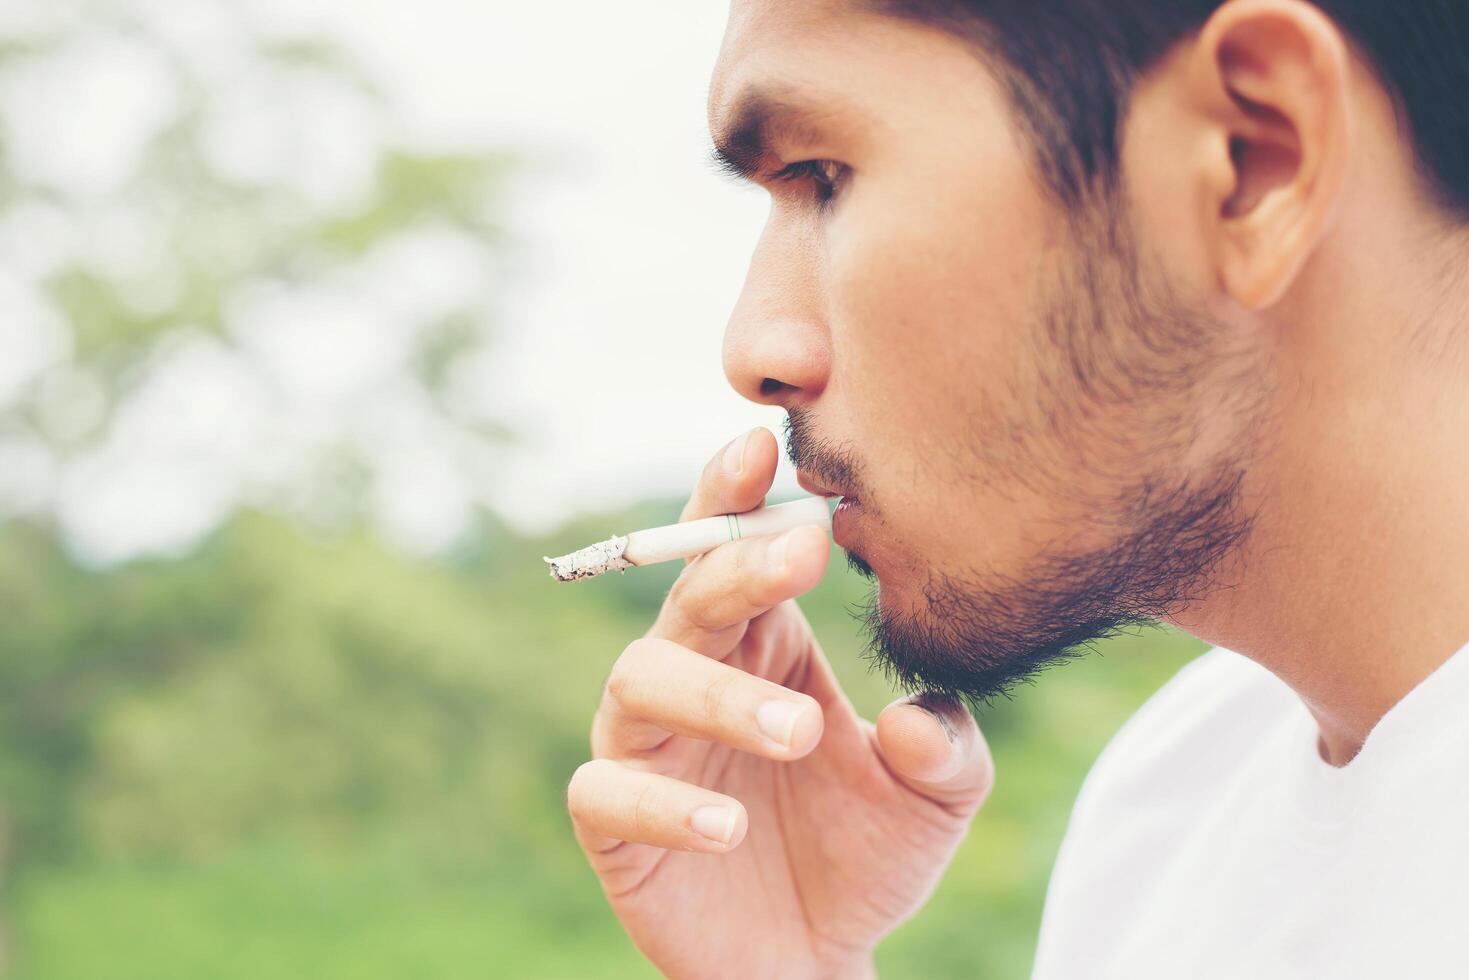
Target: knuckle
[
  {"x": 644, "y": 812},
  {"x": 616, "y": 686},
  {"x": 717, "y": 694},
  {"x": 703, "y": 617},
  {"x": 622, "y": 679},
  {"x": 678, "y": 592},
  {"x": 579, "y": 789},
  {"x": 695, "y": 603},
  {"x": 719, "y": 587}
]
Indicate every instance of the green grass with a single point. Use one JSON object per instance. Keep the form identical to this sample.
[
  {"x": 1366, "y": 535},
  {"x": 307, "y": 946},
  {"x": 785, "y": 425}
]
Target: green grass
[
  {"x": 260, "y": 915},
  {"x": 281, "y": 757}
]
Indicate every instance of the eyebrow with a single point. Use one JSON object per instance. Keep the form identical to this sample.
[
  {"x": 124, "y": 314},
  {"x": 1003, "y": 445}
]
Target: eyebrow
[{"x": 756, "y": 121}]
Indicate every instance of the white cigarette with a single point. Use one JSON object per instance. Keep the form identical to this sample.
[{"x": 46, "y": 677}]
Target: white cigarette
[{"x": 675, "y": 541}]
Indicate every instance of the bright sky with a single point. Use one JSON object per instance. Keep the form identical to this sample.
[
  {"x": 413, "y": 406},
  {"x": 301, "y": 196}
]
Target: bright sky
[
  {"x": 636, "y": 250},
  {"x": 628, "y": 255}
]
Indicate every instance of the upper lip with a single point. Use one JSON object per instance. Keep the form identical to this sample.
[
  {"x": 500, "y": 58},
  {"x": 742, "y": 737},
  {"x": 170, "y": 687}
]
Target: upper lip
[{"x": 811, "y": 484}]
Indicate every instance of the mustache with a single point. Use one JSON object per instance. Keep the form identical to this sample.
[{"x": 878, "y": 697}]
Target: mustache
[{"x": 836, "y": 465}]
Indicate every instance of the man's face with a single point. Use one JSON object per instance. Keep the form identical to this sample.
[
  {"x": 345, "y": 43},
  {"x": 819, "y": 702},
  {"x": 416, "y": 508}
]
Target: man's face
[{"x": 1033, "y": 412}]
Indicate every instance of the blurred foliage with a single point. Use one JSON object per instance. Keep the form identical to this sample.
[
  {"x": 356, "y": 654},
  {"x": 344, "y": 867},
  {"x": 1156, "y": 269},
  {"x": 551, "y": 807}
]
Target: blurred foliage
[
  {"x": 275, "y": 214},
  {"x": 219, "y": 230},
  {"x": 283, "y": 755},
  {"x": 296, "y": 752}
]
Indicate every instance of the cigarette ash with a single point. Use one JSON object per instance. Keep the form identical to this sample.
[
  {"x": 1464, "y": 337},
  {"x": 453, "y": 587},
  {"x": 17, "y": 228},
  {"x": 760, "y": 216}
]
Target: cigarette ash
[{"x": 604, "y": 556}]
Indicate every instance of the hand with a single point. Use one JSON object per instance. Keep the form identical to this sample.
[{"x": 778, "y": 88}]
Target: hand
[{"x": 725, "y": 723}]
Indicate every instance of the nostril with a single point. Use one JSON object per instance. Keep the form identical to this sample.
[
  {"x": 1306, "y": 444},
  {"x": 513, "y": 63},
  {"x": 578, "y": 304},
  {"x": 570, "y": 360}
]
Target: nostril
[{"x": 771, "y": 387}]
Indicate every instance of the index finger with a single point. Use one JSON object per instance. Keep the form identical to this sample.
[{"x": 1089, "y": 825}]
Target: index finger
[{"x": 737, "y": 478}]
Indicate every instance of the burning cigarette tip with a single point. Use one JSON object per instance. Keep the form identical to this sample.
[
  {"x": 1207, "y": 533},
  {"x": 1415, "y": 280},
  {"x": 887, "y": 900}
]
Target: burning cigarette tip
[{"x": 591, "y": 561}]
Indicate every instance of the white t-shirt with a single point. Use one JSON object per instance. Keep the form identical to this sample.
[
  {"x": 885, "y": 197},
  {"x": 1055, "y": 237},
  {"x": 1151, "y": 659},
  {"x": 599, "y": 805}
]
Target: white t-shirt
[{"x": 1211, "y": 840}]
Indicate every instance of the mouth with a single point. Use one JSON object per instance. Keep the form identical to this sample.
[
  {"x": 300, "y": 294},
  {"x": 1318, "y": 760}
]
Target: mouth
[
  {"x": 848, "y": 509},
  {"x": 844, "y": 523},
  {"x": 813, "y": 485}
]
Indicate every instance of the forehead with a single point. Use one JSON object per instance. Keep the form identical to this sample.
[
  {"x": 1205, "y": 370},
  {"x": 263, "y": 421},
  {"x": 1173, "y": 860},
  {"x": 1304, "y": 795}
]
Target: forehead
[
  {"x": 846, "y": 72},
  {"x": 850, "y": 47},
  {"x": 767, "y": 39}
]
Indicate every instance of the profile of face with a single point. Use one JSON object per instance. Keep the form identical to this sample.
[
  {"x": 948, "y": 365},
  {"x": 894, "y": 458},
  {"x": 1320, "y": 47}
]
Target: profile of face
[{"x": 1036, "y": 413}]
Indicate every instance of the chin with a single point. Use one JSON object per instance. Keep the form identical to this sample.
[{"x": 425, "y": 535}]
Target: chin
[
  {"x": 860, "y": 565},
  {"x": 892, "y": 594}
]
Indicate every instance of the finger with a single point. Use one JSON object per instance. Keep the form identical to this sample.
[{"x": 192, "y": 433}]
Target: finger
[
  {"x": 715, "y": 596},
  {"x": 932, "y": 744},
  {"x": 737, "y": 478},
  {"x": 660, "y": 685},
  {"x": 610, "y": 802}
]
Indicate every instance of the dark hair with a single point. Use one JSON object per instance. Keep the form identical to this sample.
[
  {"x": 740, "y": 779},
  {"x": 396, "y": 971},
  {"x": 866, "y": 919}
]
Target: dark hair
[{"x": 1071, "y": 64}]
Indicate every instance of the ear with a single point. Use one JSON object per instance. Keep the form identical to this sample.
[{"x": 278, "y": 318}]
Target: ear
[{"x": 1273, "y": 74}]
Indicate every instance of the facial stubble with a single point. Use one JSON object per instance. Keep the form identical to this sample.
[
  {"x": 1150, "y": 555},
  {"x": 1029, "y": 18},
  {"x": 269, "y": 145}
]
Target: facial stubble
[{"x": 1106, "y": 347}]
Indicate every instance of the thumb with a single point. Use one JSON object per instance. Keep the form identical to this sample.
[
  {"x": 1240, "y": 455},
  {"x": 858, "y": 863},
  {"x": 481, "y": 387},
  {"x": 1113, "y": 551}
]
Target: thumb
[{"x": 931, "y": 743}]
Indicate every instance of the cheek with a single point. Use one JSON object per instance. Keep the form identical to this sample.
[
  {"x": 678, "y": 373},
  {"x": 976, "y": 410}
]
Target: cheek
[
  {"x": 932, "y": 293},
  {"x": 930, "y": 281}
]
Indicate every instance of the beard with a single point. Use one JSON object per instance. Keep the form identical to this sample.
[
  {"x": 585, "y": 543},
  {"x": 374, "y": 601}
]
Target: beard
[{"x": 1108, "y": 346}]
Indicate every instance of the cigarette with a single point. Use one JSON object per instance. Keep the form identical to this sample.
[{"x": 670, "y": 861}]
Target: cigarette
[{"x": 675, "y": 541}]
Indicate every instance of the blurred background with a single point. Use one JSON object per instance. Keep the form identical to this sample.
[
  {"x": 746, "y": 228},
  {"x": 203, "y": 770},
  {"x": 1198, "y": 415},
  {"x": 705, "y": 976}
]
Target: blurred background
[{"x": 293, "y": 298}]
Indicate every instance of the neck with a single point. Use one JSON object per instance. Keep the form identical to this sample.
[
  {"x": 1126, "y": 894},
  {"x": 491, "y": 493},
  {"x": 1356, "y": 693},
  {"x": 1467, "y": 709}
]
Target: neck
[{"x": 1354, "y": 586}]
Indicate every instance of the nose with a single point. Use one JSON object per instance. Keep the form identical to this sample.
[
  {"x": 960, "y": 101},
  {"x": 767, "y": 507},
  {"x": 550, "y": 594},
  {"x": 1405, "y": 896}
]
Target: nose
[{"x": 777, "y": 349}]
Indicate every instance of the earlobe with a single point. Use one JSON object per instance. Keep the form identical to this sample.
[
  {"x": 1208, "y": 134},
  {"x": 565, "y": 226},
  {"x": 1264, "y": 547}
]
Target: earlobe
[{"x": 1282, "y": 66}]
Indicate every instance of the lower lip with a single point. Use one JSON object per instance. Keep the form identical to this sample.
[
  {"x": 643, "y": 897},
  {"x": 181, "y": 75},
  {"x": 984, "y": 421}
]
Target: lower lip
[{"x": 844, "y": 522}]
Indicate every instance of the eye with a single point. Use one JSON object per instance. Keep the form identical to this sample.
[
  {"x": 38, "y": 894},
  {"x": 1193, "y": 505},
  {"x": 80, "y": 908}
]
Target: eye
[{"x": 824, "y": 176}]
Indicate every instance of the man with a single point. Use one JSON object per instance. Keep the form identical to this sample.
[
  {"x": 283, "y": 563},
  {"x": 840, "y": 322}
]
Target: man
[{"x": 1094, "y": 312}]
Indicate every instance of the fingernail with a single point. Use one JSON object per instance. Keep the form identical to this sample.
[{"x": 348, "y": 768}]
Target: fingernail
[
  {"x": 734, "y": 455},
  {"x": 777, "y": 719},
  {"x": 945, "y": 724},
  {"x": 776, "y": 556},
  {"x": 717, "y": 823},
  {"x": 935, "y": 705}
]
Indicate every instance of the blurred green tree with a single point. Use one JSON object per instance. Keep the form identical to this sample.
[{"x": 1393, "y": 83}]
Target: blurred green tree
[{"x": 236, "y": 267}]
